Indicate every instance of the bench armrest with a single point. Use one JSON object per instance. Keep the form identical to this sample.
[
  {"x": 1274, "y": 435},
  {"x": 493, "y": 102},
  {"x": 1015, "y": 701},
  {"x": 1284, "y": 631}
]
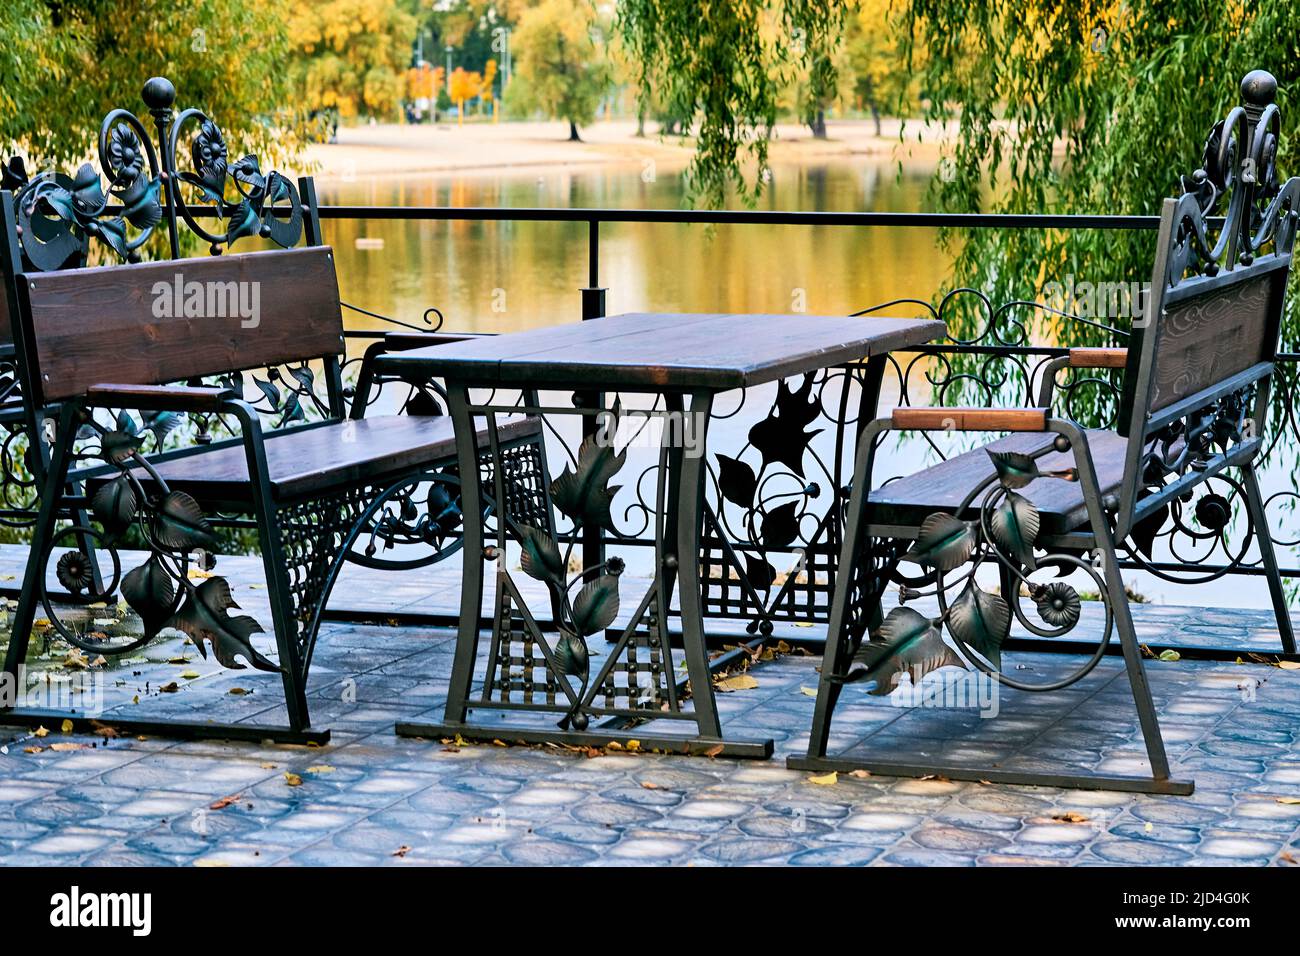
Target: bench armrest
[
  {"x": 940, "y": 418},
  {"x": 1098, "y": 358},
  {"x": 158, "y": 398}
]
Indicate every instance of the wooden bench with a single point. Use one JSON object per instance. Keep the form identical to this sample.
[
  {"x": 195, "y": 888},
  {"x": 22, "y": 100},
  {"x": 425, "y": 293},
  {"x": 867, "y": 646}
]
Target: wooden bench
[
  {"x": 91, "y": 341},
  {"x": 1053, "y": 495}
]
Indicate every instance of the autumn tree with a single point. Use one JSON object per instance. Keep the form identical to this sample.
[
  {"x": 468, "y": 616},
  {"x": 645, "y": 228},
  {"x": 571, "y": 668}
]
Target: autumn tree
[
  {"x": 562, "y": 66},
  {"x": 351, "y": 55},
  {"x": 63, "y": 66}
]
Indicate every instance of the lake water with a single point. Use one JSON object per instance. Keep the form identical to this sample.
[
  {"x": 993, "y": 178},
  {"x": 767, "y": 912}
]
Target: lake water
[{"x": 503, "y": 276}]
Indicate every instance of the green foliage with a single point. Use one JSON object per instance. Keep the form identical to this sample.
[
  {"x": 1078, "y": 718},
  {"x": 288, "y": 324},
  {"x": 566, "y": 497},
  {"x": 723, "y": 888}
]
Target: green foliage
[
  {"x": 558, "y": 59},
  {"x": 725, "y": 62},
  {"x": 1087, "y": 107},
  {"x": 64, "y": 65}
]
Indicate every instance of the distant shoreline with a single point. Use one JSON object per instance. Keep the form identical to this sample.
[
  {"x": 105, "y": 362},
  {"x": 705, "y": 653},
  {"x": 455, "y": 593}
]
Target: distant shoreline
[{"x": 393, "y": 150}]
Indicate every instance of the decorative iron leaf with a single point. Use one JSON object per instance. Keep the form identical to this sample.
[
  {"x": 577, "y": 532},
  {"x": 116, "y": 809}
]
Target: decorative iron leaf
[
  {"x": 125, "y": 423},
  {"x": 944, "y": 543},
  {"x": 244, "y": 221},
  {"x": 203, "y": 617},
  {"x": 583, "y": 494},
  {"x": 982, "y": 621},
  {"x": 759, "y": 572},
  {"x": 179, "y": 524},
  {"x": 781, "y": 526},
  {"x": 117, "y": 447},
  {"x": 781, "y": 437},
  {"x": 304, "y": 377},
  {"x": 540, "y": 555},
  {"x": 1014, "y": 469},
  {"x": 115, "y": 504},
  {"x": 1058, "y": 604},
  {"x": 162, "y": 424},
  {"x": 1014, "y": 525},
  {"x": 596, "y": 605},
  {"x": 736, "y": 481},
  {"x": 1144, "y": 532},
  {"x": 292, "y": 409},
  {"x": 907, "y": 642},
  {"x": 151, "y": 592},
  {"x": 571, "y": 656},
  {"x": 270, "y": 390},
  {"x": 422, "y": 403}
]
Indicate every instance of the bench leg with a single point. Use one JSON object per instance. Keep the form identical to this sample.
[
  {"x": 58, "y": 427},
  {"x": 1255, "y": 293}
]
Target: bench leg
[
  {"x": 47, "y": 518},
  {"x": 1105, "y": 540},
  {"x": 1259, "y": 521}
]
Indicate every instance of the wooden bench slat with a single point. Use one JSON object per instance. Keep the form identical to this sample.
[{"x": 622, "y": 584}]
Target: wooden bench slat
[
  {"x": 310, "y": 460},
  {"x": 910, "y": 500},
  {"x": 955, "y": 418}
]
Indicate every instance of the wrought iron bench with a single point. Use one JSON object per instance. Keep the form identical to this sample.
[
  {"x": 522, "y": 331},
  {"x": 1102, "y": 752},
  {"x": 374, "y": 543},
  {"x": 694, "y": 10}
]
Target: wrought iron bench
[
  {"x": 90, "y": 342},
  {"x": 1055, "y": 496}
]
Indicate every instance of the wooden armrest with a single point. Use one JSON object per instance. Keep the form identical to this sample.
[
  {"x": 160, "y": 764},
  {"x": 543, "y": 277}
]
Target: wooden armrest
[
  {"x": 403, "y": 341},
  {"x": 170, "y": 398},
  {"x": 1098, "y": 358},
  {"x": 971, "y": 419}
]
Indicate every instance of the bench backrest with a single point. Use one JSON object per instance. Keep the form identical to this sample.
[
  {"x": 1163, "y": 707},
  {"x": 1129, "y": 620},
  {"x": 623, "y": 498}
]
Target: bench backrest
[
  {"x": 1196, "y": 388},
  {"x": 175, "y": 320},
  {"x": 180, "y": 319}
]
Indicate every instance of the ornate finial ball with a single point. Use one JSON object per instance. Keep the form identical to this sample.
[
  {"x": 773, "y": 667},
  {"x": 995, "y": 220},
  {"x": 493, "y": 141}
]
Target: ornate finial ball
[
  {"x": 158, "y": 93},
  {"x": 1259, "y": 87}
]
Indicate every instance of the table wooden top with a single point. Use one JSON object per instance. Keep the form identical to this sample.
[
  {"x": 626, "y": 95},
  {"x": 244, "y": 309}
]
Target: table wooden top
[{"x": 669, "y": 350}]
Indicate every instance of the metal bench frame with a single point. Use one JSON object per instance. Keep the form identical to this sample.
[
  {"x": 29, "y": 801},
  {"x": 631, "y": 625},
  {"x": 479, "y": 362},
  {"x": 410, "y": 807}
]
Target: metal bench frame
[
  {"x": 1180, "y": 434},
  {"x": 305, "y": 541}
]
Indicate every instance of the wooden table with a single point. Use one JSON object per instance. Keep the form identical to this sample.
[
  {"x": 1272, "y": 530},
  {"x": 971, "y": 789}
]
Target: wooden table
[{"x": 687, "y": 359}]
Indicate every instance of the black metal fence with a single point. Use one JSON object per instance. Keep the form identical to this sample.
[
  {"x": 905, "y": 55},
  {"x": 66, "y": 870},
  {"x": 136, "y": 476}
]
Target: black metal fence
[{"x": 998, "y": 363}]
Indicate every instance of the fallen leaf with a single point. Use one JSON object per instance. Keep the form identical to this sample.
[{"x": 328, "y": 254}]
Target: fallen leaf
[
  {"x": 189, "y": 675},
  {"x": 32, "y": 750},
  {"x": 613, "y": 745},
  {"x": 268, "y": 766},
  {"x": 860, "y": 773},
  {"x": 207, "y": 863},
  {"x": 1289, "y": 665},
  {"x": 402, "y": 850},
  {"x": 1148, "y": 828},
  {"x": 238, "y": 691},
  {"x": 321, "y": 768},
  {"x": 648, "y": 785},
  {"x": 808, "y": 691},
  {"x": 1170, "y": 655},
  {"x": 103, "y": 730},
  {"x": 292, "y": 779},
  {"x": 40, "y": 732},
  {"x": 224, "y": 802},
  {"x": 739, "y": 682},
  {"x": 168, "y": 688},
  {"x": 66, "y": 726},
  {"x": 70, "y": 745},
  {"x": 1286, "y": 857},
  {"x": 826, "y": 779},
  {"x": 633, "y": 745},
  {"x": 713, "y": 751},
  {"x": 499, "y": 743},
  {"x": 1289, "y": 801},
  {"x": 1069, "y": 816},
  {"x": 178, "y": 660}
]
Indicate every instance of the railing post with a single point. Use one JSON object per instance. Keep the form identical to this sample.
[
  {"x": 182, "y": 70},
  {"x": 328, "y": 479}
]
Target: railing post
[{"x": 593, "y": 307}]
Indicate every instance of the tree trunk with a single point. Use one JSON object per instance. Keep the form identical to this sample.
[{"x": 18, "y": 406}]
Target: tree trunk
[
  {"x": 640, "y": 124},
  {"x": 573, "y": 133},
  {"x": 817, "y": 123},
  {"x": 875, "y": 115}
]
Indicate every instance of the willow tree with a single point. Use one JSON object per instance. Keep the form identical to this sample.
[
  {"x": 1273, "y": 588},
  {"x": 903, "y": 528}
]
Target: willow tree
[
  {"x": 725, "y": 63},
  {"x": 1084, "y": 107}
]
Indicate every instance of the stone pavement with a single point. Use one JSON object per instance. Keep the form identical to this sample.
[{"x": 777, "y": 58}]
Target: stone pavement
[{"x": 371, "y": 798}]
